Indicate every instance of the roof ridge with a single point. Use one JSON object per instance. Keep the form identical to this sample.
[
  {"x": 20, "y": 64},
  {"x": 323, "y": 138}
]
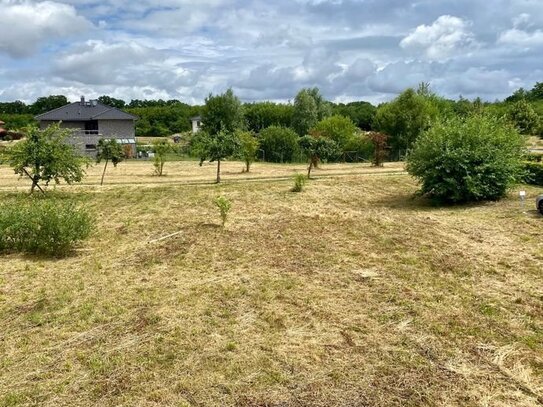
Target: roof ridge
[{"x": 113, "y": 108}]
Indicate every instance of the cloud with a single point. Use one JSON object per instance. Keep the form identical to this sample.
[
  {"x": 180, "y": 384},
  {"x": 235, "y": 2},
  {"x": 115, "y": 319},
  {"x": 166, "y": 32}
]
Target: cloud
[
  {"x": 122, "y": 64},
  {"x": 26, "y": 25},
  {"x": 521, "y": 38},
  {"x": 351, "y": 49},
  {"x": 446, "y": 37}
]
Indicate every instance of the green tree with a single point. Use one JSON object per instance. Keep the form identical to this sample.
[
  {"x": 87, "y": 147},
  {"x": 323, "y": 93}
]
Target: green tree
[
  {"x": 47, "y": 103},
  {"x": 280, "y": 144},
  {"x": 222, "y": 113},
  {"x": 109, "y": 101},
  {"x": 404, "y": 119},
  {"x": 317, "y": 148},
  {"x": 309, "y": 108},
  {"x": 338, "y": 128},
  {"x": 361, "y": 113},
  {"x": 109, "y": 150},
  {"x": 259, "y": 116},
  {"x": 45, "y": 156},
  {"x": 524, "y": 117},
  {"x": 463, "y": 160},
  {"x": 248, "y": 148},
  {"x": 217, "y": 147},
  {"x": 161, "y": 148}
]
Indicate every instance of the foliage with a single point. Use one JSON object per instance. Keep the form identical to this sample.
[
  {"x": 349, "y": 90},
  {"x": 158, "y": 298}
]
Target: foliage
[
  {"x": 299, "y": 182},
  {"x": 216, "y": 147},
  {"x": 533, "y": 173},
  {"x": 259, "y": 116},
  {"x": 18, "y": 121},
  {"x": 164, "y": 120},
  {"x": 338, "y": 128},
  {"x": 224, "y": 206},
  {"x": 379, "y": 141},
  {"x": 361, "y": 113},
  {"x": 109, "y": 101},
  {"x": 222, "y": 113},
  {"x": 464, "y": 160},
  {"x": 317, "y": 148},
  {"x": 45, "y": 156},
  {"x": 248, "y": 147},
  {"x": 280, "y": 144},
  {"x": 47, "y": 103},
  {"x": 405, "y": 119},
  {"x": 309, "y": 108},
  {"x": 109, "y": 150},
  {"x": 161, "y": 148},
  {"x": 358, "y": 148},
  {"x": 43, "y": 226},
  {"x": 524, "y": 117}
]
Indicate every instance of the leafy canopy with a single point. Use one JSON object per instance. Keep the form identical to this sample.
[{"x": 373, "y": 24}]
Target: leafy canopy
[
  {"x": 280, "y": 144},
  {"x": 309, "y": 108},
  {"x": 405, "y": 118},
  {"x": 337, "y": 128},
  {"x": 222, "y": 113},
  {"x": 45, "y": 156},
  {"x": 465, "y": 160}
]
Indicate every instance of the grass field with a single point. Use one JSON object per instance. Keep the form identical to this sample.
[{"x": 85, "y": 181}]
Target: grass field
[{"x": 351, "y": 293}]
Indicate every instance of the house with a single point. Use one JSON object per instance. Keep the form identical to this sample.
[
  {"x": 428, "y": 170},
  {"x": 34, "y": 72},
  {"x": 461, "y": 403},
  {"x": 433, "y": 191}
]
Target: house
[
  {"x": 91, "y": 121},
  {"x": 196, "y": 124}
]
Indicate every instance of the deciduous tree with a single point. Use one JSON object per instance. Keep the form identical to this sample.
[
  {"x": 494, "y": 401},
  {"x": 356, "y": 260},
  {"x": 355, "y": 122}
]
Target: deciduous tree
[{"x": 45, "y": 156}]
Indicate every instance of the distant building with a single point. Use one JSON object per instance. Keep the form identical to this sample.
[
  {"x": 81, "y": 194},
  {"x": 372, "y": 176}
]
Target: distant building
[
  {"x": 196, "y": 123},
  {"x": 91, "y": 121}
]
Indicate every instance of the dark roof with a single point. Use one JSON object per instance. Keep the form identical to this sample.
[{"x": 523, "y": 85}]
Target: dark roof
[
  {"x": 196, "y": 118},
  {"x": 87, "y": 111}
]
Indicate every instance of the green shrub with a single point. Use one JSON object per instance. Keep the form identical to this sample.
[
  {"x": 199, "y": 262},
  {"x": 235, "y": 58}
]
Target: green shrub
[
  {"x": 224, "y": 206},
  {"x": 533, "y": 173},
  {"x": 358, "y": 148},
  {"x": 537, "y": 158},
  {"x": 299, "y": 182},
  {"x": 464, "y": 160},
  {"x": 47, "y": 227},
  {"x": 280, "y": 144}
]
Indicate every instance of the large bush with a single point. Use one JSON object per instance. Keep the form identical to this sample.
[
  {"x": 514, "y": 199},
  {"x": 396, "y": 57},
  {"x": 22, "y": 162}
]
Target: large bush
[
  {"x": 463, "y": 160},
  {"x": 280, "y": 144},
  {"x": 533, "y": 173},
  {"x": 337, "y": 128},
  {"x": 39, "y": 226}
]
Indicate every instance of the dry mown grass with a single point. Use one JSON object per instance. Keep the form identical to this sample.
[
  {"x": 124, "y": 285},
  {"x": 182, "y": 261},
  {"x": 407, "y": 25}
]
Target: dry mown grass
[{"x": 351, "y": 293}]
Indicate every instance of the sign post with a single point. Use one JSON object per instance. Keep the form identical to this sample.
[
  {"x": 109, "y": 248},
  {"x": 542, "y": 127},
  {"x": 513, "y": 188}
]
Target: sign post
[{"x": 522, "y": 195}]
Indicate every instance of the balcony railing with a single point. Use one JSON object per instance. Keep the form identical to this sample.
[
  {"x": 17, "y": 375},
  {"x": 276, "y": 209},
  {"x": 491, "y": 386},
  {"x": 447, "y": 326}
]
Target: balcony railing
[{"x": 81, "y": 132}]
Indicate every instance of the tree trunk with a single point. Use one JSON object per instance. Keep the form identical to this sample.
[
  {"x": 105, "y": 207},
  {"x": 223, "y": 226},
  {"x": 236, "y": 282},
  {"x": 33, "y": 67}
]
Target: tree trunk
[
  {"x": 309, "y": 169},
  {"x": 247, "y": 166},
  {"x": 218, "y": 171},
  {"x": 104, "y": 174}
]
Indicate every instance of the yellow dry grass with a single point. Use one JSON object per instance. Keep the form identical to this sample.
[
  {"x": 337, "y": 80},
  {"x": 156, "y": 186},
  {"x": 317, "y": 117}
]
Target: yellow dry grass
[{"x": 351, "y": 293}]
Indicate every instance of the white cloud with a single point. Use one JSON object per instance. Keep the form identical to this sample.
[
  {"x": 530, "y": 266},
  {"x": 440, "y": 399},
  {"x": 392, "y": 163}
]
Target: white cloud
[
  {"x": 27, "y": 24},
  {"x": 444, "y": 38},
  {"x": 122, "y": 64},
  {"x": 521, "y": 38}
]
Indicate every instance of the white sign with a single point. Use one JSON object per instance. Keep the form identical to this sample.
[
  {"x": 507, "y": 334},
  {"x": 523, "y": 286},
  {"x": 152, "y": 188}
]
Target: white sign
[{"x": 522, "y": 194}]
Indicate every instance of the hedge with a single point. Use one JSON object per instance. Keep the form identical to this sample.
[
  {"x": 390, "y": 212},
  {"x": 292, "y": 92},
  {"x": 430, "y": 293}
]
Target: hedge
[{"x": 534, "y": 173}]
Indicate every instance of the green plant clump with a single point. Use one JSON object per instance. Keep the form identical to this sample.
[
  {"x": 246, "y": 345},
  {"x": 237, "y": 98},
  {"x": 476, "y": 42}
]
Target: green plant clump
[
  {"x": 299, "y": 182},
  {"x": 467, "y": 160},
  {"x": 534, "y": 173},
  {"x": 45, "y": 227},
  {"x": 224, "y": 206}
]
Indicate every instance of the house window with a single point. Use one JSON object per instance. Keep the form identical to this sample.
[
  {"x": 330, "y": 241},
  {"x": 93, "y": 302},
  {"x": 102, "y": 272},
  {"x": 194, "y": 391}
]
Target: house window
[
  {"x": 198, "y": 124},
  {"x": 91, "y": 127},
  {"x": 90, "y": 147}
]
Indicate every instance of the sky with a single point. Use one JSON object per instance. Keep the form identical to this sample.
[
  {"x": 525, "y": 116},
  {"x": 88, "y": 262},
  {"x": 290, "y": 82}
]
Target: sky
[{"x": 268, "y": 49}]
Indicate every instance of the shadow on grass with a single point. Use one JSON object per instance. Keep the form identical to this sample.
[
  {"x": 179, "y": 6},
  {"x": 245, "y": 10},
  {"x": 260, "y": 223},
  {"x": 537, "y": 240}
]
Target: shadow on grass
[{"x": 415, "y": 202}]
